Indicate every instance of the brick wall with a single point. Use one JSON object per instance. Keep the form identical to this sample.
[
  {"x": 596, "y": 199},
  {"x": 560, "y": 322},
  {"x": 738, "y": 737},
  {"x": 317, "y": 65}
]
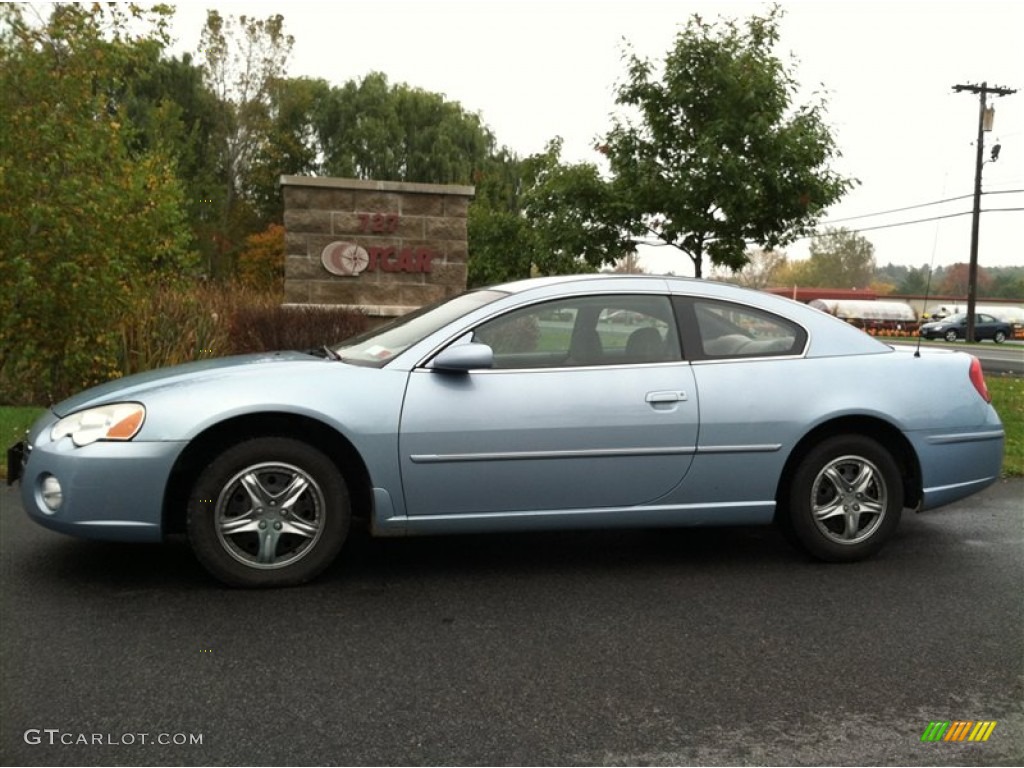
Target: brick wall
[{"x": 384, "y": 247}]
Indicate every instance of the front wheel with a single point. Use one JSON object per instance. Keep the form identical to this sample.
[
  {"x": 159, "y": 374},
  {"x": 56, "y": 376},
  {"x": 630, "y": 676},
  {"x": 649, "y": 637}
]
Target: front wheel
[
  {"x": 844, "y": 500},
  {"x": 999, "y": 337},
  {"x": 268, "y": 512},
  {"x": 951, "y": 335}
]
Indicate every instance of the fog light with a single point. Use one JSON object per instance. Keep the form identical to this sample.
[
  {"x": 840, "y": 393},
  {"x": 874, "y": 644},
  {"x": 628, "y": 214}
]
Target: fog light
[{"x": 51, "y": 492}]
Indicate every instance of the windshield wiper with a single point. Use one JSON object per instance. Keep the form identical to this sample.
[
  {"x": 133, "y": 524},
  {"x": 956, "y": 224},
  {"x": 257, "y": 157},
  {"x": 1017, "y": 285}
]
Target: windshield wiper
[{"x": 325, "y": 352}]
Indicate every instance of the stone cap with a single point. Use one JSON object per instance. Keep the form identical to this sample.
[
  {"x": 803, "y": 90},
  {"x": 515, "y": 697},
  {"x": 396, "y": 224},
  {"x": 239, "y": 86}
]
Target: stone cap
[
  {"x": 377, "y": 186},
  {"x": 377, "y": 310}
]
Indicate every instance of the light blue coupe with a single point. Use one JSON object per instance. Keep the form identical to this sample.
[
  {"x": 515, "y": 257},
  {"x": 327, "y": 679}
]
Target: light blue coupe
[{"x": 564, "y": 402}]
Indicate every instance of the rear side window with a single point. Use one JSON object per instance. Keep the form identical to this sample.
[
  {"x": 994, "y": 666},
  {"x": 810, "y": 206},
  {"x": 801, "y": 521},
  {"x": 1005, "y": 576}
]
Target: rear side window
[{"x": 722, "y": 330}]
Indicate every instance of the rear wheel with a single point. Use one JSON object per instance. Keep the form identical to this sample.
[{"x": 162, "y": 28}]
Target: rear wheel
[
  {"x": 268, "y": 512},
  {"x": 844, "y": 500}
]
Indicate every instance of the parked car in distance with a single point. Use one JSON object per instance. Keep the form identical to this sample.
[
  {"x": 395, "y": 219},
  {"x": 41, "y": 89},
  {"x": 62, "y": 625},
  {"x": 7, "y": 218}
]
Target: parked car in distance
[
  {"x": 523, "y": 406},
  {"x": 1011, "y": 313},
  {"x": 955, "y": 327}
]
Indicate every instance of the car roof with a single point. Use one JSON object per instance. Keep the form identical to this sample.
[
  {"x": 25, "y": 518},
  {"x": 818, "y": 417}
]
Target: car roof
[
  {"x": 605, "y": 281},
  {"x": 669, "y": 282}
]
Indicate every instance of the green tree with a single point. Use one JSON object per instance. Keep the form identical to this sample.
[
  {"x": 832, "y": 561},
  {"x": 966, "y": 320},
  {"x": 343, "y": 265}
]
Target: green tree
[
  {"x": 500, "y": 245},
  {"x": 540, "y": 216},
  {"x": 840, "y": 258},
  {"x": 573, "y": 214},
  {"x": 891, "y": 273},
  {"x": 244, "y": 58},
  {"x": 372, "y": 129},
  {"x": 289, "y": 147},
  {"x": 1007, "y": 283},
  {"x": 84, "y": 217},
  {"x": 915, "y": 283},
  {"x": 629, "y": 265},
  {"x": 955, "y": 280},
  {"x": 715, "y": 154},
  {"x": 794, "y": 273},
  {"x": 170, "y": 108},
  {"x": 762, "y": 270}
]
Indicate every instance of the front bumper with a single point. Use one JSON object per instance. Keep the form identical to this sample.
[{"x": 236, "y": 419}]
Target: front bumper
[{"x": 112, "y": 491}]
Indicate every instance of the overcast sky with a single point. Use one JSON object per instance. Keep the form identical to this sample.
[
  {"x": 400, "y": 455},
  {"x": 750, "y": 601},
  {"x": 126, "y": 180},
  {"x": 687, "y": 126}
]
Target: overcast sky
[{"x": 537, "y": 69}]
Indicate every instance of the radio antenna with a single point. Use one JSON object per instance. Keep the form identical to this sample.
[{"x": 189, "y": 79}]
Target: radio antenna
[
  {"x": 927, "y": 292},
  {"x": 931, "y": 270}
]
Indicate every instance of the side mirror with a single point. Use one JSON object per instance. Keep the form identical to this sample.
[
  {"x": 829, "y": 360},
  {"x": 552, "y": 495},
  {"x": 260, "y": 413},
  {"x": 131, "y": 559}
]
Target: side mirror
[{"x": 463, "y": 358}]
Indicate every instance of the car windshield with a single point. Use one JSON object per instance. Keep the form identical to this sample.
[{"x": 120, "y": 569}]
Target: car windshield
[
  {"x": 377, "y": 346},
  {"x": 955, "y": 319}
]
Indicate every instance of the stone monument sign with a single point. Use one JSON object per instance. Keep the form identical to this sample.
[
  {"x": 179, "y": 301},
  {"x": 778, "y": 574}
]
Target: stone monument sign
[{"x": 383, "y": 247}]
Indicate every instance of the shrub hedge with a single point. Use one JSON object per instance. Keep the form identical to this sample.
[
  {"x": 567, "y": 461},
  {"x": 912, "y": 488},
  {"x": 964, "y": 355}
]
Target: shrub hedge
[{"x": 170, "y": 325}]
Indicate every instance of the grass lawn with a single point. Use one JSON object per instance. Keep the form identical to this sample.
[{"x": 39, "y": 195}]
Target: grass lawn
[
  {"x": 1007, "y": 396},
  {"x": 13, "y": 423}
]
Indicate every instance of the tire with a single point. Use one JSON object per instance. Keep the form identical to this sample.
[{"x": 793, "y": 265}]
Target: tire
[
  {"x": 951, "y": 335},
  {"x": 844, "y": 500},
  {"x": 268, "y": 512},
  {"x": 999, "y": 337}
]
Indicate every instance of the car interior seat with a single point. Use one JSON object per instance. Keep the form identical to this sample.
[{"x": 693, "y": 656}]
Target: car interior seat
[
  {"x": 645, "y": 345},
  {"x": 585, "y": 347}
]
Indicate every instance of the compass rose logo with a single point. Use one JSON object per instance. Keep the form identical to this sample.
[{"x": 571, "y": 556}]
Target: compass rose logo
[{"x": 346, "y": 259}]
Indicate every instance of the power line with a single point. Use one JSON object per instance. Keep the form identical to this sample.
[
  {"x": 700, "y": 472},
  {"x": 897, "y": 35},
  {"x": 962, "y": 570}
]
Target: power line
[
  {"x": 922, "y": 205},
  {"x": 818, "y": 232},
  {"x": 653, "y": 243},
  {"x": 934, "y": 218}
]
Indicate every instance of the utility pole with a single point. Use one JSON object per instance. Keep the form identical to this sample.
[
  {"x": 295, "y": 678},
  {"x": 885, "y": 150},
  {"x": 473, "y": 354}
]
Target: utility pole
[{"x": 972, "y": 275}]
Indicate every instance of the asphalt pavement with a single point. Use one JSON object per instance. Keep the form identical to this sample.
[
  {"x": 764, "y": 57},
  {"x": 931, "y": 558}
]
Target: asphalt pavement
[{"x": 710, "y": 647}]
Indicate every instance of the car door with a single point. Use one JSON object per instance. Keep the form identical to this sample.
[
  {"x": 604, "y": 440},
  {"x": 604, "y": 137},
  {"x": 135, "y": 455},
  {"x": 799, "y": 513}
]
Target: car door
[
  {"x": 985, "y": 327},
  {"x": 588, "y": 405},
  {"x": 745, "y": 361}
]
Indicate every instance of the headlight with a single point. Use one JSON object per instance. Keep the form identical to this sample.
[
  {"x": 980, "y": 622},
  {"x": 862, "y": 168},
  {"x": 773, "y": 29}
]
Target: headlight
[{"x": 121, "y": 421}]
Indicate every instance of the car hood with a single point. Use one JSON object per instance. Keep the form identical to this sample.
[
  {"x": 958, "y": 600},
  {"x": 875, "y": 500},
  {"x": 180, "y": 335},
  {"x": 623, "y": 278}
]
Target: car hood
[{"x": 137, "y": 385}]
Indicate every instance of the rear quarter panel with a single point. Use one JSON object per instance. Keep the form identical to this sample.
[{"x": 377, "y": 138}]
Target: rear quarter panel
[{"x": 754, "y": 413}]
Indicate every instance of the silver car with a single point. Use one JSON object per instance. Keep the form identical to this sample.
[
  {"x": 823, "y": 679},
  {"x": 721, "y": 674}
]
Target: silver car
[{"x": 565, "y": 402}]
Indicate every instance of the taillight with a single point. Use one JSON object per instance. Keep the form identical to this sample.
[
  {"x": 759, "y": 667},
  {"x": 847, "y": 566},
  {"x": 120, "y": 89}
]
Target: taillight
[{"x": 978, "y": 379}]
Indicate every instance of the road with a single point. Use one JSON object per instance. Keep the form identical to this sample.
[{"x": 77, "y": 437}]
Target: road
[{"x": 712, "y": 647}]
